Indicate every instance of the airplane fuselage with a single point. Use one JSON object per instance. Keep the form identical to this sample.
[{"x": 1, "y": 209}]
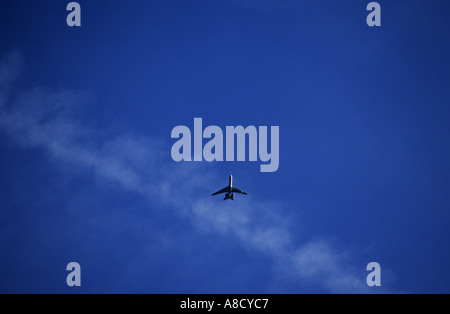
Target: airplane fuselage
[{"x": 230, "y": 196}]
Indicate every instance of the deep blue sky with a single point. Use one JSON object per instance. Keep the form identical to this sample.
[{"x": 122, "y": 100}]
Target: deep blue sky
[{"x": 364, "y": 145}]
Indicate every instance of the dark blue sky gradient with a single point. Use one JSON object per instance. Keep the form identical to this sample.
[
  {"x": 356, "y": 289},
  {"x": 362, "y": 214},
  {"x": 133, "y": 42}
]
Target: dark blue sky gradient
[{"x": 364, "y": 140}]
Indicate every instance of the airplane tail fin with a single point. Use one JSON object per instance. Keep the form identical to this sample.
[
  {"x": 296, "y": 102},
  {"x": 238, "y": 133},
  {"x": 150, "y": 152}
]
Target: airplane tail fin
[{"x": 229, "y": 196}]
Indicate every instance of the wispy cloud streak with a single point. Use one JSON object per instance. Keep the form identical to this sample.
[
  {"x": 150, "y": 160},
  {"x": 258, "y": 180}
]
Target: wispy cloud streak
[{"x": 47, "y": 120}]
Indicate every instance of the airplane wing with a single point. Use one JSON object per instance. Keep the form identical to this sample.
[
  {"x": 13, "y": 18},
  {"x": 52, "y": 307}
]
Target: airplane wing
[
  {"x": 236, "y": 190},
  {"x": 224, "y": 190}
]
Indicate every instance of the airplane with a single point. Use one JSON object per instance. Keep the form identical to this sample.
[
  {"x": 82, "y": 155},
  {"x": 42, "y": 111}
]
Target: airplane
[{"x": 229, "y": 190}]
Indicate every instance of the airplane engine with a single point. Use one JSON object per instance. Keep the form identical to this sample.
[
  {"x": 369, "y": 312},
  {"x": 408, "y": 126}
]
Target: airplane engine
[{"x": 232, "y": 196}]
